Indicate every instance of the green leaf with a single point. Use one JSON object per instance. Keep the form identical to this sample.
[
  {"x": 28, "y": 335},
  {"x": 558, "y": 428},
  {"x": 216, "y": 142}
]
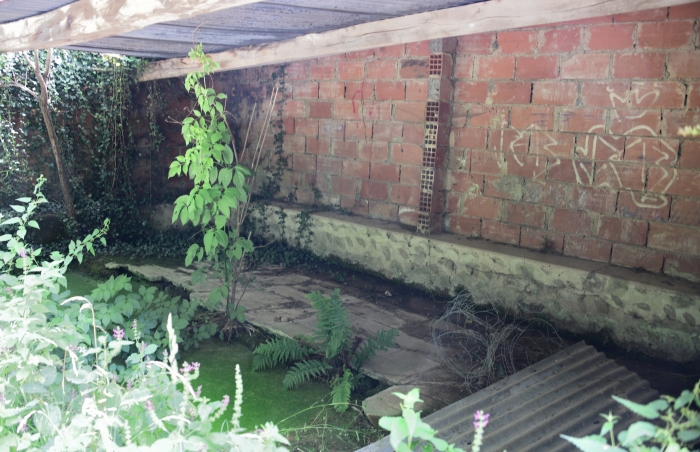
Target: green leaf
[
  {"x": 688, "y": 436},
  {"x": 227, "y": 155},
  {"x": 150, "y": 349},
  {"x": 238, "y": 178},
  {"x": 638, "y": 430},
  {"x": 646, "y": 411},
  {"x": 24, "y": 200},
  {"x": 19, "y": 209},
  {"x": 33, "y": 224},
  {"x": 592, "y": 444},
  {"x": 685, "y": 398},
  {"x": 220, "y": 221},
  {"x": 225, "y": 176}
]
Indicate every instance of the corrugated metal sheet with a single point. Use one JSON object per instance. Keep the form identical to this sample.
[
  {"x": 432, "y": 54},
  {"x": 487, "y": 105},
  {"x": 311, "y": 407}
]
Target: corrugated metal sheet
[
  {"x": 562, "y": 394},
  {"x": 257, "y": 23}
]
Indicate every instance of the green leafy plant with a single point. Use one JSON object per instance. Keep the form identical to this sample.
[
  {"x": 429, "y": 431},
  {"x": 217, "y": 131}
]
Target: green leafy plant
[
  {"x": 331, "y": 352},
  {"x": 676, "y": 427},
  {"x": 218, "y": 203},
  {"x": 408, "y": 430},
  {"x": 59, "y": 390}
]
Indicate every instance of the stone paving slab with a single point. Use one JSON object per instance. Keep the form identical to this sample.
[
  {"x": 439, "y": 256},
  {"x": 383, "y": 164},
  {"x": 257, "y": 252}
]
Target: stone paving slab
[{"x": 278, "y": 302}]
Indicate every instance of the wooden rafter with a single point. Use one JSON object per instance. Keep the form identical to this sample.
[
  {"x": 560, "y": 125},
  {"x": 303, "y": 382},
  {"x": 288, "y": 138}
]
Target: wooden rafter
[
  {"x": 86, "y": 20},
  {"x": 482, "y": 17}
]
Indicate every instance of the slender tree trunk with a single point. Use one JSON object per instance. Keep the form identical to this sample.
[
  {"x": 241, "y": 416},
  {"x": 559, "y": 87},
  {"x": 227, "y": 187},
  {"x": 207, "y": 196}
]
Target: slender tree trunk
[{"x": 53, "y": 138}]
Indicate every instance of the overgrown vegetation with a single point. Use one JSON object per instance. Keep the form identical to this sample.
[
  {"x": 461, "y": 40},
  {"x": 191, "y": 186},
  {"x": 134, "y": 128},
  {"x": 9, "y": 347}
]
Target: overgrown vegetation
[
  {"x": 331, "y": 352},
  {"x": 218, "y": 202}
]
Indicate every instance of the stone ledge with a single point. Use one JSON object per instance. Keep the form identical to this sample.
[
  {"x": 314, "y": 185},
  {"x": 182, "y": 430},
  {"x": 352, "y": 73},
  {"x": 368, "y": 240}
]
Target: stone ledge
[{"x": 650, "y": 313}]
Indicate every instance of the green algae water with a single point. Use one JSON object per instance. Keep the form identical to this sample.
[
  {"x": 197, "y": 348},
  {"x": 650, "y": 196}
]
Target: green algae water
[{"x": 264, "y": 400}]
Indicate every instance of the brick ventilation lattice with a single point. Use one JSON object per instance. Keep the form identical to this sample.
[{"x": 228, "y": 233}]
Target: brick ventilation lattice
[
  {"x": 435, "y": 64},
  {"x": 432, "y": 112}
]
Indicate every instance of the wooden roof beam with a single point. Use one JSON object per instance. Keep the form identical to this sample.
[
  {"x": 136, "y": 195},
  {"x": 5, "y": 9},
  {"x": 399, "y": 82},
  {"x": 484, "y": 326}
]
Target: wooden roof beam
[
  {"x": 492, "y": 15},
  {"x": 86, "y": 20}
]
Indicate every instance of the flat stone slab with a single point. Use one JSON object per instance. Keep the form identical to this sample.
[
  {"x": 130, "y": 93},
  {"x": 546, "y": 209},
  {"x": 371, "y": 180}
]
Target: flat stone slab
[
  {"x": 385, "y": 403},
  {"x": 278, "y": 303}
]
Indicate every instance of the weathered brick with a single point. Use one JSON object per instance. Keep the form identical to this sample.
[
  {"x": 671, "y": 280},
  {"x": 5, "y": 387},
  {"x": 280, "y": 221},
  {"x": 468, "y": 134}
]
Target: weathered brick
[
  {"x": 410, "y": 175},
  {"x": 388, "y": 172},
  {"x": 690, "y": 155},
  {"x": 409, "y": 111},
  {"x": 405, "y": 195},
  {"x": 619, "y": 175},
  {"x": 509, "y": 140},
  {"x": 347, "y": 109},
  {"x": 343, "y": 186},
  {"x": 355, "y": 169},
  {"x": 320, "y": 109},
  {"x": 351, "y": 70},
  {"x": 642, "y": 16},
  {"x": 583, "y": 120},
  {"x": 681, "y": 182},
  {"x": 395, "y": 51},
  {"x": 586, "y": 66},
  {"x": 329, "y": 165},
  {"x": 298, "y": 70},
  {"x": 675, "y": 238},
  {"x": 406, "y": 153},
  {"x": 383, "y": 211},
  {"x": 545, "y": 193},
  {"x": 618, "y": 229},
  {"x": 469, "y": 137},
  {"x": 358, "y": 130},
  {"x": 305, "y": 90},
  {"x": 685, "y": 211},
  {"x": 464, "y": 66},
  {"x": 331, "y": 90},
  {"x": 538, "y": 67},
  {"x": 360, "y": 55},
  {"x": 288, "y": 126},
  {"x": 500, "y": 232},
  {"x": 517, "y": 42},
  {"x": 529, "y": 166},
  {"x": 605, "y": 94},
  {"x": 571, "y": 222},
  {"x": 560, "y": 40},
  {"x": 374, "y": 150},
  {"x": 555, "y": 93},
  {"x": 483, "y": 207},
  {"x": 539, "y": 239},
  {"x": 635, "y": 205},
  {"x": 467, "y": 91},
  {"x": 687, "y": 267},
  {"x": 484, "y": 116},
  {"x": 387, "y": 131},
  {"x": 639, "y": 65},
  {"x": 688, "y": 11},
  {"x": 359, "y": 91},
  {"x": 487, "y": 162},
  {"x": 654, "y": 151},
  {"x": 324, "y": 69},
  {"x": 511, "y": 92},
  {"x": 390, "y": 90},
  {"x": 665, "y": 35},
  {"x": 477, "y": 44},
  {"x": 593, "y": 199},
  {"x": 332, "y": 128},
  {"x": 504, "y": 187},
  {"x": 611, "y": 37},
  {"x": 533, "y": 117},
  {"x": 319, "y": 146},
  {"x": 420, "y": 48},
  {"x": 676, "y": 119},
  {"x": 635, "y": 122},
  {"x": 470, "y": 227},
  {"x": 495, "y": 67},
  {"x": 374, "y": 190},
  {"x": 552, "y": 144},
  {"x": 587, "y": 248},
  {"x": 694, "y": 95},
  {"x": 306, "y": 127},
  {"x": 382, "y": 69},
  {"x": 294, "y": 109},
  {"x": 304, "y": 162},
  {"x": 346, "y": 149},
  {"x": 464, "y": 182},
  {"x": 637, "y": 257},
  {"x": 525, "y": 214},
  {"x": 657, "y": 95},
  {"x": 599, "y": 147},
  {"x": 294, "y": 144},
  {"x": 414, "y": 68},
  {"x": 684, "y": 64},
  {"x": 417, "y": 90}
]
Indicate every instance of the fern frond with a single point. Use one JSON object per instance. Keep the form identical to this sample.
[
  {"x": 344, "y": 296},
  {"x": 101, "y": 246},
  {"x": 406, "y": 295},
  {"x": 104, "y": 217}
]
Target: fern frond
[
  {"x": 333, "y": 328},
  {"x": 304, "y": 371},
  {"x": 342, "y": 387},
  {"x": 383, "y": 340},
  {"x": 276, "y": 351}
]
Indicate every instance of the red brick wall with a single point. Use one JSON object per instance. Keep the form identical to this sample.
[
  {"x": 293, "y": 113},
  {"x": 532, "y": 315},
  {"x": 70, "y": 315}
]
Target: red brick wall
[{"x": 562, "y": 136}]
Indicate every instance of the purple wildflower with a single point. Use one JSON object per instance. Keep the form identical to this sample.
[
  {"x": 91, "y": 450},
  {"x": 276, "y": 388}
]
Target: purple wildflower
[
  {"x": 199, "y": 391},
  {"x": 23, "y": 253},
  {"x": 225, "y": 401},
  {"x": 482, "y": 420},
  {"x": 118, "y": 333},
  {"x": 149, "y": 405}
]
